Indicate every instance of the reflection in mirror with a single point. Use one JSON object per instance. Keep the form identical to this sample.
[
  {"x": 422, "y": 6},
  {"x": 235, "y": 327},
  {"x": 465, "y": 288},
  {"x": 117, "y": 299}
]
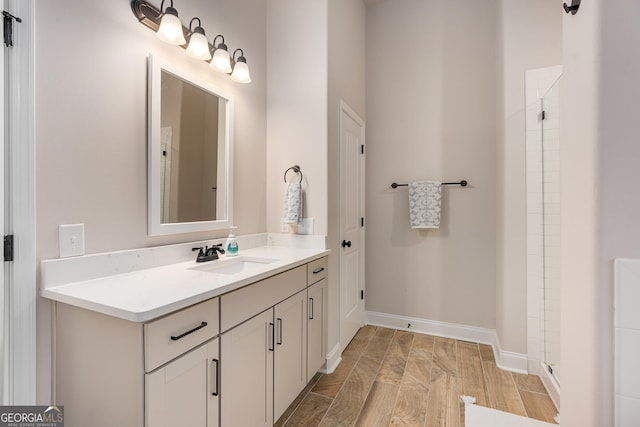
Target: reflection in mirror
[{"x": 189, "y": 153}]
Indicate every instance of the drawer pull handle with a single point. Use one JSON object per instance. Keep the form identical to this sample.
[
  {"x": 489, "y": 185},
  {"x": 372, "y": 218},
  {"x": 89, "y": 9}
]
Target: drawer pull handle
[
  {"x": 319, "y": 270},
  {"x": 217, "y": 374},
  {"x": 202, "y": 325},
  {"x": 311, "y": 307},
  {"x": 280, "y": 331},
  {"x": 273, "y": 333}
]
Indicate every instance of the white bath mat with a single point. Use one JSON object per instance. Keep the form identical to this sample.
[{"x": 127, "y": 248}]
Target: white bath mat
[{"x": 479, "y": 416}]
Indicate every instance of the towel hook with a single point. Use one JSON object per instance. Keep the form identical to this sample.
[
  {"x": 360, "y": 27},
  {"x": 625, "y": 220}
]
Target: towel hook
[{"x": 296, "y": 169}]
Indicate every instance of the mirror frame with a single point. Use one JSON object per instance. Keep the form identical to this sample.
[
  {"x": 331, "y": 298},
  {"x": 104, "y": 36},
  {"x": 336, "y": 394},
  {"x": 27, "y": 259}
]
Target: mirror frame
[{"x": 155, "y": 226}]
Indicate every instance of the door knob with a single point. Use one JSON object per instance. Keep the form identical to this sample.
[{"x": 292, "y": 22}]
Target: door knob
[{"x": 346, "y": 243}]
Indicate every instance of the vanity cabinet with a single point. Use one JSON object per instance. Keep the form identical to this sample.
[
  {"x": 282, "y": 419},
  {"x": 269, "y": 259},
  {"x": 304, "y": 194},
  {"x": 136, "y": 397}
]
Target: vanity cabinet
[
  {"x": 316, "y": 328},
  {"x": 290, "y": 358},
  {"x": 185, "y": 391},
  {"x": 238, "y": 359},
  {"x": 247, "y": 374},
  {"x": 264, "y": 359},
  {"x": 316, "y": 318}
]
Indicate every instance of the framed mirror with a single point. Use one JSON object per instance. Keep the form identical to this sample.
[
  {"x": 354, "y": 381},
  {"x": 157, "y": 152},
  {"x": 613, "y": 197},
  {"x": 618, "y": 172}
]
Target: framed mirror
[{"x": 190, "y": 149}]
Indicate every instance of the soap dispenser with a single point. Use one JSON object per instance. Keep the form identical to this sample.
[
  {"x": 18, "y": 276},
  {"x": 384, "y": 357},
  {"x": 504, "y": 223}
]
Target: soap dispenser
[{"x": 232, "y": 243}]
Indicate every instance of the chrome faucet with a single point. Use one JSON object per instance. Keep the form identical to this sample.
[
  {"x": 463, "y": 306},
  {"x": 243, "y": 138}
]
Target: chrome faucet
[{"x": 208, "y": 253}]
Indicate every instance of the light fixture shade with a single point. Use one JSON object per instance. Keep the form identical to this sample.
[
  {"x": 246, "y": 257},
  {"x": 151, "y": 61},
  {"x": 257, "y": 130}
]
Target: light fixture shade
[
  {"x": 199, "y": 46},
  {"x": 170, "y": 30},
  {"x": 240, "y": 72},
  {"x": 221, "y": 60}
]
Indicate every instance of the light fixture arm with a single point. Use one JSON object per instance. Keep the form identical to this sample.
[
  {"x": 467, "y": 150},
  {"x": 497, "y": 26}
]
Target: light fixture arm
[
  {"x": 162, "y": 7},
  {"x": 216, "y": 38},
  {"x": 198, "y": 28},
  {"x": 241, "y": 58}
]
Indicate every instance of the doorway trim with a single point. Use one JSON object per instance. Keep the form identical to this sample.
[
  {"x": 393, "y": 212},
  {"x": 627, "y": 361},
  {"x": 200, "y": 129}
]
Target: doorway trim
[{"x": 20, "y": 214}]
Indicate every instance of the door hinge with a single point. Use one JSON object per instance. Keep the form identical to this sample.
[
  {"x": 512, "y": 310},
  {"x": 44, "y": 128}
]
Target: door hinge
[
  {"x": 7, "y": 19},
  {"x": 361, "y": 148},
  {"x": 361, "y": 221},
  {"x": 362, "y": 294},
  {"x": 543, "y": 115},
  {"x": 8, "y": 247}
]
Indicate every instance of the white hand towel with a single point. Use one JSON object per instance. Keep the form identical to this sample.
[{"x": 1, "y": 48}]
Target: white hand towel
[
  {"x": 292, "y": 203},
  {"x": 424, "y": 204}
]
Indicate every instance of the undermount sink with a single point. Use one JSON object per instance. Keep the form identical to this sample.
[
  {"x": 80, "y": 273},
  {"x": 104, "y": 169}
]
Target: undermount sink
[{"x": 230, "y": 266}]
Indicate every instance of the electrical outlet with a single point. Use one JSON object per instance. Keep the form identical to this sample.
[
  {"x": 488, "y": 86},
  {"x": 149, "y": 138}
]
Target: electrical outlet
[
  {"x": 71, "y": 238},
  {"x": 305, "y": 226},
  {"x": 284, "y": 228}
]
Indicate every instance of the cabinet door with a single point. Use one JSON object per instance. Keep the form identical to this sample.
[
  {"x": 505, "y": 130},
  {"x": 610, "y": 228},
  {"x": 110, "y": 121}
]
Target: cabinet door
[
  {"x": 316, "y": 348},
  {"x": 181, "y": 392},
  {"x": 247, "y": 373},
  {"x": 290, "y": 363}
]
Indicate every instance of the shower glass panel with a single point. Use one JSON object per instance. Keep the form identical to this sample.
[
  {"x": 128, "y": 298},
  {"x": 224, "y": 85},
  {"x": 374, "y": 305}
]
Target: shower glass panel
[{"x": 551, "y": 226}]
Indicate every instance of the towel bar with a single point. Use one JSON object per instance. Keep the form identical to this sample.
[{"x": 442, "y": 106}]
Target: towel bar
[
  {"x": 462, "y": 183},
  {"x": 296, "y": 169}
]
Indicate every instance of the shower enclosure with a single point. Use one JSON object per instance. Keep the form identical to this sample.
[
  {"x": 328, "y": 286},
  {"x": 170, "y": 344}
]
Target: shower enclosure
[
  {"x": 542, "y": 91},
  {"x": 550, "y": 116}
]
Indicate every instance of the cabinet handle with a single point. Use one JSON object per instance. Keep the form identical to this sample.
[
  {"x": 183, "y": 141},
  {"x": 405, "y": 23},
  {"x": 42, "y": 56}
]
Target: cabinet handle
[
  {"x": 273, "y": 332},
  {"x": 319, "y": 270},
  {"x": 216, "y": 372},
  {"x": 311, "y": 308},
  {"x": 202, "y": 325},
  {"x": 280, "y": 331}
]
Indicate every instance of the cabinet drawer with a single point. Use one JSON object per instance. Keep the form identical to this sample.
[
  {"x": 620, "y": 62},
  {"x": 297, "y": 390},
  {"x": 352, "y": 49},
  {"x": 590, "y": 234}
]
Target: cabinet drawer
[
  {"x": 172, "y": 335},
  {"x": 241, "y": 305},
  {"x": 316, "y": 270}
]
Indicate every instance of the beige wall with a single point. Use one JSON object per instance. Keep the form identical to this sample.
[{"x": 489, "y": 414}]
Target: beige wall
[
  {"x": 91, "y": 115},
  {"x": 91, "y": 123},
  {"x": 601, "y": 206},
  {"x": 347, "y": 20},
  {"x": 297, "y": 105},
  {"x": 315, "y": 58},
  {"x": 529, "y": 36},
  {"x": 431, "y": 115}
]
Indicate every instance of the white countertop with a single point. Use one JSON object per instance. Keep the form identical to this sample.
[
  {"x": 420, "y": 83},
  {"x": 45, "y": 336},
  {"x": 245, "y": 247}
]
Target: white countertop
[{"x": 147, "y": 293}]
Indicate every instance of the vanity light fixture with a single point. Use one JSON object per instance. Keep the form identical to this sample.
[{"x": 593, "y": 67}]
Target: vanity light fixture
[
  {"x": 221, "y": 60},
  {"x": 240, "y": 73},
  {"x": 198, "y": 45},
  {"x": 169, "y": 28}
]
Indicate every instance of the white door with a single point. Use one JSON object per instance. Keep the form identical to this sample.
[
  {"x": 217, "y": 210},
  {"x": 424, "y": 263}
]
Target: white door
[{"x": 352, "y": 316}]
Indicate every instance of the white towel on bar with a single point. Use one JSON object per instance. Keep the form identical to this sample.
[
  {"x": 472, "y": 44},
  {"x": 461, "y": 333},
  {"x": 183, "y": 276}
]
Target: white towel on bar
[
  {"x": 292, "y": 203},
  {"x": 424, "y": 204}
]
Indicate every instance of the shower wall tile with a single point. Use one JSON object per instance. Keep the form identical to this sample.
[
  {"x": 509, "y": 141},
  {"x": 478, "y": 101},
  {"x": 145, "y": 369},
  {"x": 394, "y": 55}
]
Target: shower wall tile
[
  {"x": 627, "y": 342},
  {"x": 627, "y": 356},
  {"x": 627, "y": 412},
  {"x": 627, "y": 298}
]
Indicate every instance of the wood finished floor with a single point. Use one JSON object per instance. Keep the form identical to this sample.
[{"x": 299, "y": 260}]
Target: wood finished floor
[{"x": 398, "y": 378}]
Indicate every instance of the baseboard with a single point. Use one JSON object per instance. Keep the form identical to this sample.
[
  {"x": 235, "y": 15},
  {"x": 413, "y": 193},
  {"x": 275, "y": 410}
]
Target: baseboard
[
  {"x": 550, "y": 383},
  {"x": 506, "y": 360},
  {"x": 333, "y": 360}
]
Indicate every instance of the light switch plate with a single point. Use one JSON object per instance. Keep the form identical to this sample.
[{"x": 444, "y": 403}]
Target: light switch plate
[{"x": 71, "y": 240}]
